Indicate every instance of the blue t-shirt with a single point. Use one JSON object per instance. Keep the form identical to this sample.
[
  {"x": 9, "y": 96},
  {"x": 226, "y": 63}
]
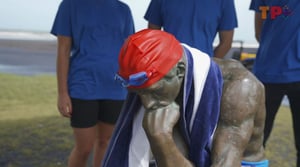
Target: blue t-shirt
[
  {"x": 194, "y": 22},
  {"x": 98, "y": 29},
  {"x": 278, "y": 56}
]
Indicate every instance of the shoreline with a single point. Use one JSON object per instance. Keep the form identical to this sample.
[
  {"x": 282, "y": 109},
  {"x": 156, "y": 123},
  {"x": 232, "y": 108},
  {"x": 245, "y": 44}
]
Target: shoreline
[
  {"x": 27, "y": 57},
  {"x": 47, "y": 36},
  {"x": 35, "y": 52},
  {"x": 26, "y": 35}
]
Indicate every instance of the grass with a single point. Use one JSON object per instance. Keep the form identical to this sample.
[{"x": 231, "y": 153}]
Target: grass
[
  {"x": 24, "y": 97},
  {"x": 37, "y": 142},
  {"x": 33, "y": 134},
  {"x": 280, "y": 147}
]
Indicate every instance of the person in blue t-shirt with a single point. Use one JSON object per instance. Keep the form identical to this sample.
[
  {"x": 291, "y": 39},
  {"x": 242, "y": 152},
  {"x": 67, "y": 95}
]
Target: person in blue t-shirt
[
  {"x": 196, "y": 22},
  {"x": 277, "y": 64},
  {"x": 90, "y": 35}
]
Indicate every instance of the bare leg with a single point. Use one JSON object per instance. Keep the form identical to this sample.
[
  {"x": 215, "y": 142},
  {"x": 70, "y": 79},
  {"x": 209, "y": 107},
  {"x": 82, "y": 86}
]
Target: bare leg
[
  {"x": 104, "y": 132},
  {"x": 84, "y": 141}
]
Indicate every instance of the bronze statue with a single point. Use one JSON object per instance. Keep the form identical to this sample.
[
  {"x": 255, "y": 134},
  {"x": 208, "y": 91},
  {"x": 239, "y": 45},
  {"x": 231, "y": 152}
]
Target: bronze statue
[{"x": 197, "y": 111}]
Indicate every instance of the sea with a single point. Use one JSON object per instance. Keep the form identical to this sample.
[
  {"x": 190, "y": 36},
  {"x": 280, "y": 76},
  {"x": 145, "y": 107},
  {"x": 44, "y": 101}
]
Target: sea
[
  {"x": 26, "y": 35},
  {"x": 27, "y": 53}
]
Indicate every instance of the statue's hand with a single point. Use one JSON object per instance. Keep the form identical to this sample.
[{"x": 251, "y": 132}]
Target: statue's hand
[{"x": 159, "y": 123}]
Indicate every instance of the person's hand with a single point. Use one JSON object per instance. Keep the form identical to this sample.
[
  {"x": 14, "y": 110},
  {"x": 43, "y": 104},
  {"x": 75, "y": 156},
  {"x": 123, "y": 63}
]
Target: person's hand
[
  {"x": 64, "y": 105},
  {"x": 159, "y": 123}
]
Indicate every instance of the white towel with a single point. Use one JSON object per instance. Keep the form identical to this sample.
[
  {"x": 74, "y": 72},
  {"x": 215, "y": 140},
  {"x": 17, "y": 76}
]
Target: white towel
[{"x": 139, "y": 149}]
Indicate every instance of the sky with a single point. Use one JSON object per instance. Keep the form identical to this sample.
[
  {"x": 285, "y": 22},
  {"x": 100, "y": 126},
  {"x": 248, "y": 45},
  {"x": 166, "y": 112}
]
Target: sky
[{"x": 38, "y": 15}]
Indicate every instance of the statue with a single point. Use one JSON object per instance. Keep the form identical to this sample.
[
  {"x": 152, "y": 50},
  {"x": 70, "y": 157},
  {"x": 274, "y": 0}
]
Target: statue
[{"x": 185, "y": 108}]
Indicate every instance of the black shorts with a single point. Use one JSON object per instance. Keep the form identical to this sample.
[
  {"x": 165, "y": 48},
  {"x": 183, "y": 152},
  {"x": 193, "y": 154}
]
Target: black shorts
[{"x": 87, "y": 113}]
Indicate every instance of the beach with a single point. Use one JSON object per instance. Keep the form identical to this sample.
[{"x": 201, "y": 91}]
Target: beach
[
  {"x": 31, "y": 53},
  {"x": 27, "y": 54}
]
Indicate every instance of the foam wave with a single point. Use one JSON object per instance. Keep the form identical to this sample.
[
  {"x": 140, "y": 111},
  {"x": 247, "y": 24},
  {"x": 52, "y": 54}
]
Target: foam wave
[{"x": 22, "y": 35}]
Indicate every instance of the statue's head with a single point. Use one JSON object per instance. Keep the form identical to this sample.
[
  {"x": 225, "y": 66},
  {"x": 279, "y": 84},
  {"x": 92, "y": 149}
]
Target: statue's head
[
  {"x": 147, "y": 56},
  {"x": 151, "y": 63}
]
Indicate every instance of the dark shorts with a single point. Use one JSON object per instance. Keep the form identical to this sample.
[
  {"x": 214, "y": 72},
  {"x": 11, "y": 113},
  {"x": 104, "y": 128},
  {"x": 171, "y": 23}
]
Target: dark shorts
[{"x": 87, "y": 113}]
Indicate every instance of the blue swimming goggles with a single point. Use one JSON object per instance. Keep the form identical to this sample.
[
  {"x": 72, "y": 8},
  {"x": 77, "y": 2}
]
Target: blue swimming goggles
[{"x": 137, "y": 79}]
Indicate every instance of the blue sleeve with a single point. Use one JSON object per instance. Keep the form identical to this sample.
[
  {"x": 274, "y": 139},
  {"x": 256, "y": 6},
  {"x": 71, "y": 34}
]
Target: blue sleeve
[
  {"x": 62, "y": 23},
  {"x": 154, "y": 14},
  {"x": 130, "y": 24},
  {"x": 255, "y": 4},
  {"x": 229, "y": 18}
]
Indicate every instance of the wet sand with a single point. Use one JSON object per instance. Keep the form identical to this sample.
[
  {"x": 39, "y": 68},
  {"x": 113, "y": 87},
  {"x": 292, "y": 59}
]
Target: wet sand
[{"x": 27, "y": 57}]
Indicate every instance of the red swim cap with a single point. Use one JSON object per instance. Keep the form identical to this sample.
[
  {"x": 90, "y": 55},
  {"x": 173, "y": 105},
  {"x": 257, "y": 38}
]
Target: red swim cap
[{"x": 147, "y": 56}]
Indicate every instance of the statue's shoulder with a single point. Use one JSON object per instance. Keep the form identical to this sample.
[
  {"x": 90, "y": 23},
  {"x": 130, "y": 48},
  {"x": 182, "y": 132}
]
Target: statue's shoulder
[
  {"x": 234, "y": 72},
  {"x": 229, "y": 64},
  {"x": 241, "y": 88}
]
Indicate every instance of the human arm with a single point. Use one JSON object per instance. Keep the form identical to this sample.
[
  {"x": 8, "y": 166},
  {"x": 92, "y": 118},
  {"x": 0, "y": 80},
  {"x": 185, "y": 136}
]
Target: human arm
[
  {"x": 153, "y": 15},
  {"x": 259, "y": 16},
  {"x": 225, "y": 38},
  {"x": 258, "y": 25},
  {"x": 62, "y": 68},
  {"x": 226, "y": 25},
  {"x": 153, "y": 26},
  {"x": 237, "y": 121},
  {"x": 158, "y": 125}
]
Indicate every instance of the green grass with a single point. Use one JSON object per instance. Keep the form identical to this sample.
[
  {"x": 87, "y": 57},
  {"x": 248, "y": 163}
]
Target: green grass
[
  {"x": 280, "y": 148},
  {"x": 33, "y": 134},
  {"x": 26, "y": 97},
  {"x": 36, "y": 142}
]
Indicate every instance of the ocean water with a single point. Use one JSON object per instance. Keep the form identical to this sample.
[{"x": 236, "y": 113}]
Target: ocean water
[
  {"x": 25, "y": 35},
  {"x": 27, "y": 53},
  {"x": 34, "y": 35}
]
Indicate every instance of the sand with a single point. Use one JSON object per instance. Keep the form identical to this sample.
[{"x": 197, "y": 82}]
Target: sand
[{"x": 27, "y": 57}]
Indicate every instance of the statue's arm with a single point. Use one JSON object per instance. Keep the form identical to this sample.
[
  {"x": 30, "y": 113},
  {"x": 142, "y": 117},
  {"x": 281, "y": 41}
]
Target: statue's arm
[
  {"x": 158, "y": 126},
  {"x": 236, "y": 123}
]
